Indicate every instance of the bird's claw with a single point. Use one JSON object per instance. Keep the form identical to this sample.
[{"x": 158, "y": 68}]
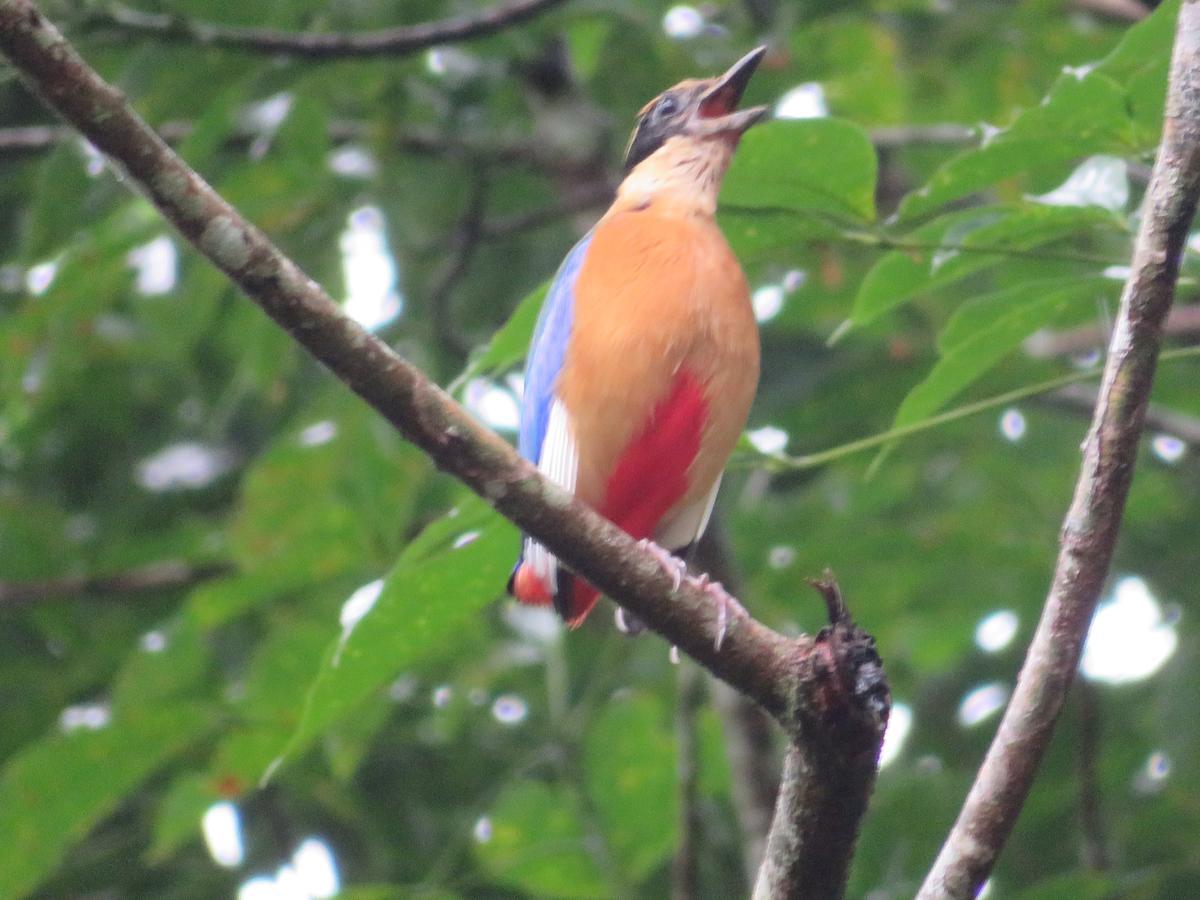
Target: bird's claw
[
  {"x": 672, "y": 565},
  {"x": 726, "y": 604},
  {"x": 677, "y": 569}
]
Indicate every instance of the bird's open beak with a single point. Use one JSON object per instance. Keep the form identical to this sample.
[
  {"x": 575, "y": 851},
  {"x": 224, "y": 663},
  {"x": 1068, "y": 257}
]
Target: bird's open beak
[{"x": 718, "y": 107}]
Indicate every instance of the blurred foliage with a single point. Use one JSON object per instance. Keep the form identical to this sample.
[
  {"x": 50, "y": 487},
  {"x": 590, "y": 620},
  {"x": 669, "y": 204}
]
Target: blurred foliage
[{"x": 336, "y": 657}]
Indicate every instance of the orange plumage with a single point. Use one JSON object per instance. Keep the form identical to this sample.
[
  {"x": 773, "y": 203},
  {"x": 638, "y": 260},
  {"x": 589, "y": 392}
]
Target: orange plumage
[{"x": 646, "y": 362}]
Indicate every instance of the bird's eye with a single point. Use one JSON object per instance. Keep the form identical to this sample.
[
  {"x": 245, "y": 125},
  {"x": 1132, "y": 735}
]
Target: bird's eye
[{"x": 667, "y": 107}]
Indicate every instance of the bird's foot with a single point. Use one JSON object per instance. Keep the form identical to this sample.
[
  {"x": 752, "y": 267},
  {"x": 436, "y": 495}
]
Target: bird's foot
[
  {"x": 726, "y": 605},
  {"x": 672, "y": 564}
]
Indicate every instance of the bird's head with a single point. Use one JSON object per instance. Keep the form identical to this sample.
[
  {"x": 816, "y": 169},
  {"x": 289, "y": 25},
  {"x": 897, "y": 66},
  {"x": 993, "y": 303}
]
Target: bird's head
[{"x": 700, "y": 109}]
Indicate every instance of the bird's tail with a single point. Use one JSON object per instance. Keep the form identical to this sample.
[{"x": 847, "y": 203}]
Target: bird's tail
[{"x": 572, "y": 597}]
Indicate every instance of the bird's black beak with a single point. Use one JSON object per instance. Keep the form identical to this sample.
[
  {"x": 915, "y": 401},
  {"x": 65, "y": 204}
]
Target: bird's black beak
[{"x": 718, "y": 105}]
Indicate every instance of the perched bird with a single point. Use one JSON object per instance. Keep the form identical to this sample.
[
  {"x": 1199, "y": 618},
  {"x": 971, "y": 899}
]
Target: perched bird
[{"x": 645, "y": 358}]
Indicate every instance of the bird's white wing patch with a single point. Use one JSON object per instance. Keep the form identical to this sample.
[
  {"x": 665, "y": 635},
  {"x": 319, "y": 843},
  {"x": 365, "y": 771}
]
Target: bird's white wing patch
[
  {"x": 689, "y": 523},
  {"x": 558, "y": 461}
]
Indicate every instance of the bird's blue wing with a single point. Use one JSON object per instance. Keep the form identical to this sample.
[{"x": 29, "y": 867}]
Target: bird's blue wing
[{"x": 547, "y": 351}]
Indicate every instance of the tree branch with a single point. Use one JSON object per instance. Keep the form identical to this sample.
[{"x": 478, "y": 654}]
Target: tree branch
[
  {"x": 1082, "y": 398},
  {"x": 160, "y": 576},
  {"x": 830, "y": 766},
  {"x": 1092, "y": 522},
  {"x": 890, "y": 137},
  {"x": 1182, "y": 321},
  {"x": 402, "y": 40},
  {"x": 1122, "y": 10}
]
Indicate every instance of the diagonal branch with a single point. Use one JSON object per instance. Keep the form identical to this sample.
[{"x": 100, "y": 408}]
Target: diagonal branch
[
  {"x": 1092, "y": 522},
  {"x": 402, "y": 40}
]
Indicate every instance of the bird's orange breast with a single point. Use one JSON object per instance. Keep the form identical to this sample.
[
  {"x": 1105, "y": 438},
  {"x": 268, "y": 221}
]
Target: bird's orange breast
[{"x": 660, "y": 297}]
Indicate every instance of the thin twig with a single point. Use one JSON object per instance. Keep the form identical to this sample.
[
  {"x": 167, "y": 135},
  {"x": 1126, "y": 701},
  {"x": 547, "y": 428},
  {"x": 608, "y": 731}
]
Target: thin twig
[
  {"x": 1093, "y": 520},
  {"x": 22, "y": 139},
  {"x": 906, "y": 245},
  {"x": 781, "y": 462},
  {"x": 1121, "y": 10},
  {"x": 1183, "y": 322},
  {"x": 889, "y": 137},
  {"x": 160, "y": 576},
  {"x": 1081, "y": 398},
  {"x": 394, "y": 42},
  {"x": 494, "y": 149}
]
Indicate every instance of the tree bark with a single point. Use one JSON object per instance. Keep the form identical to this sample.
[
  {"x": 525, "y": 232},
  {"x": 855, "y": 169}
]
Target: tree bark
[{"x": 1090, "y": 529}]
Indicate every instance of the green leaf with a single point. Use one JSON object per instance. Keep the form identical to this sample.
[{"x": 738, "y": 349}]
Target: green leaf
[
  {"x": 1143, "y": 44},
  {"x": 715, "y": 776},
  {"x": 177, "y": 821},
  {"x": 346, "y": 515},
  {"x": 538, "y": 843},
  {"x": 1080, "y": 885},
  {"x": 272, "y": 701},
  {"x": 1114, "y": 106},
  {"x": 1140, "y": 62},
  {"x": 961, "y": 243},
  {"x": 170, "y": 663},
  {"x": 57, "y": 207},
  {"x": 58, "y": 788},
  {"x": 586, "y": 38},
  {"x": 769, "y": 234},
  {"x": 987, "y": 330},
  {"x": 816, "y": 167},
  {"x": 509, "y": 344},
  {"x": 222, "y": 600},
  {"x": 1080, "y": 117},
  {"x": 442, "y": 580},
  {"x": 630, "y": 761}
]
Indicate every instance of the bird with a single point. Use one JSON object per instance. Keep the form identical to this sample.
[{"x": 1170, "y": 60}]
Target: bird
[{"x": 645, "y": 357}]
